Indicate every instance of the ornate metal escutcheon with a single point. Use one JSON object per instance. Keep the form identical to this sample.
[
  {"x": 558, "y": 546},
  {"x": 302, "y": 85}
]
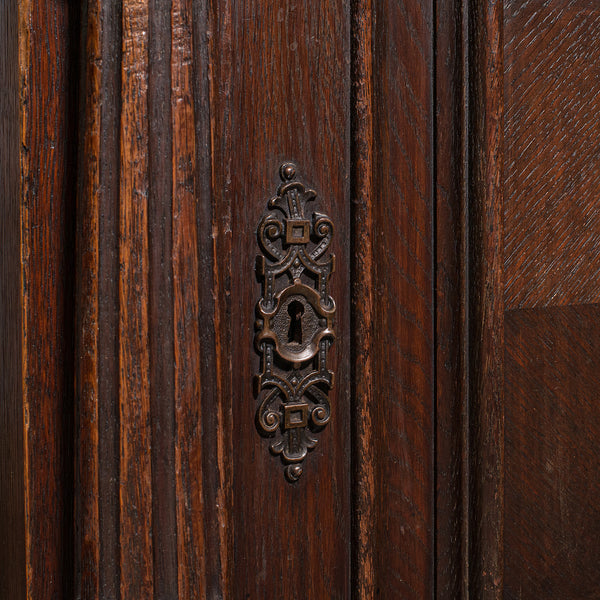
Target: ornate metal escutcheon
[{"x": 294, "y": 323}]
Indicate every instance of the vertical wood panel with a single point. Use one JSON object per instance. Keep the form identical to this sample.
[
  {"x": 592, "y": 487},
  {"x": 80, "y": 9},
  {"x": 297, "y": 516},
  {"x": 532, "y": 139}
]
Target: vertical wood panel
[
  {"x": 48, "y": 38},
  {"x": 281, "y": 92},
  {"x": 364, "y": 276},
  {"x": 404, "y": 163},
  {"x": 186, "y": 281},
  {"x": 215, "y": 112},
  {"x": 107, "y": 197},
  {"x": 161, "y": 300},
  {"x": 451, "y": 493},
  {"x": 551, "y": 213},
  {"x": 552, "y": 532},
  {"x": 138, "y": 182},
  {"x": 134, "y": 390},
  {"x": 87, "y": 546},
  {"x": 486, "y": 306}
]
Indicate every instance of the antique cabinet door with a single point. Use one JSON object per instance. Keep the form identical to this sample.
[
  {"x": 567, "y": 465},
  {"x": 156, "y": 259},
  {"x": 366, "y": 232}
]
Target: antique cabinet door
[{"x": 398, "y": 397}]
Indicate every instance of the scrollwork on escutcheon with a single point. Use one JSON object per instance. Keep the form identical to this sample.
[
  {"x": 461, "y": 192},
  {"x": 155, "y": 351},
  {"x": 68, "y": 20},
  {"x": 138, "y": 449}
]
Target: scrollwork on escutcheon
[{"x": 294, "y": 323}]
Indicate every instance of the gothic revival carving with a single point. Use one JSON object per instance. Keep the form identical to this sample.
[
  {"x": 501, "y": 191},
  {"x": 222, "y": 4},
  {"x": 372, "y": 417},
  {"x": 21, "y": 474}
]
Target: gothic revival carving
[{"x": 294, "y": 323}]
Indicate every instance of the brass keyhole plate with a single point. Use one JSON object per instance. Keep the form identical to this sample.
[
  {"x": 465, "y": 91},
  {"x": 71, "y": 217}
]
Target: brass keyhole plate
[{"x": 294, "y": 323}]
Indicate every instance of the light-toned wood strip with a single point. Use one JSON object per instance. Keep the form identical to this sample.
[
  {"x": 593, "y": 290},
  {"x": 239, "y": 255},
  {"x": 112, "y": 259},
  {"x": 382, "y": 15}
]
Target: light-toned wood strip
[
  {"x": 47, "y": 142},
  {"x": 186, "y": 282},
  {"x": 134, "y": 388},
  {"x": 363, "y": 303}
]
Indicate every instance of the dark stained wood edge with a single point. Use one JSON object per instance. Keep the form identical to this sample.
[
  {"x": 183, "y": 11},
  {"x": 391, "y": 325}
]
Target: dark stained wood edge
[
  {"x": 212, "y": 48},
  {"x": 404, "y": 172},
  {"x": 97, "y": 568},
  {"x": 87, "y": 528},
  {"x": 363, "y": 277},
  {"x": 486, "y": 300},
  {"x": 161, "y": 318},
  {"x": 108, "y": 302},
  {"x": 451, "y": 492},
  {"x": 12, "y": 482},
  {"x": 215, "y": 537}
]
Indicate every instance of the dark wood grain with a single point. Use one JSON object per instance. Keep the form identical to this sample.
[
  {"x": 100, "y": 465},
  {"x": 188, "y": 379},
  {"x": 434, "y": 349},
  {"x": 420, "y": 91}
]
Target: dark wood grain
[
  {"x": 453, "y": 144},
  {"x": 160, "y": 302},
  {"x": 218, "y": 64},
  {"x": 550, "y": 247},
  {"x": 107, "y": 197},
  {"x": 213, "y": 301},
  {"x": 486, "y": 308},
  {"x": 48, "y": 42},
  {"x": 451, "y": 244},
  {"x": 552, "y": 122},
  {"x": 403, "y": 213},
  {"x": 97, "y": 520},
  {"x": 148, "y": 497},
  {"x": 551, "y": 211},
  {"x": 281, "y": 65},
  {"x": 552, "y": 536},
  {"x": 87, "y": 543},
  {"x": 12, "y": 475}
]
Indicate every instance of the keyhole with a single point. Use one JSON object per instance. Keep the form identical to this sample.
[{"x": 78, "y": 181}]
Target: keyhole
[{"x": 295, "y": 310}]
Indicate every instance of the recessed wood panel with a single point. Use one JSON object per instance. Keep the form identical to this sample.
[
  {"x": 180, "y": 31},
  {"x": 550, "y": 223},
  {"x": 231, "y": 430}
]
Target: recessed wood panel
[
  {"x": 552, "y": 161},
  {"x": 281, "y": 92},
  {"x": 552, "y": 428},
  {"x": 402, "y": 204}
]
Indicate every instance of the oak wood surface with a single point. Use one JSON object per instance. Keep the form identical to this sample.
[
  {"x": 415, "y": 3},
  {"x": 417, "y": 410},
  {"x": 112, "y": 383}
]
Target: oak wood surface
[
  {"x": 485, "y": 301},
  {"x": 292, "y": 75},
  {"x": 453, "y": 145},
  {"x": 552, "y": 526},
  {"x": 181, "y": 405},
  {"x": 451, "y": 300},
  {"x": 404, "y": 258},
  {"x": 48, "y": 45},
  {"x": 552, "y": 121},
  {"x": 550, "y": 266},
  {"x": 364, "y": 304}
]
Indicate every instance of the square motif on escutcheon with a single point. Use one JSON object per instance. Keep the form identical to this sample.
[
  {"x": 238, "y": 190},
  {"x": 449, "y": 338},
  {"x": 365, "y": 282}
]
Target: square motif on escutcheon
[
  {"x": 297, "y": 231},
  {"x": 295, "y": 415}
]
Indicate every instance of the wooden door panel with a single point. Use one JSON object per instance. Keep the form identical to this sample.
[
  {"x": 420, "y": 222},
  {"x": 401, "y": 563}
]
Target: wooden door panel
[
  {"x": 212, "y": 100},
  {"x": 552, "y": 518},
  {"x": 38, "y": 158},
  {"x": 551, "y": 238},
  {"x": 453, "y": 145},
  {"x": 285, "y": 83},
  {"x": 551, "y": 173},
  {"x": 401, "y": 198}
]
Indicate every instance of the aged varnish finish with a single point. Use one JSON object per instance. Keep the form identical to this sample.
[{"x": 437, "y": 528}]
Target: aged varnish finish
[{"x": 445, "y": 444}]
